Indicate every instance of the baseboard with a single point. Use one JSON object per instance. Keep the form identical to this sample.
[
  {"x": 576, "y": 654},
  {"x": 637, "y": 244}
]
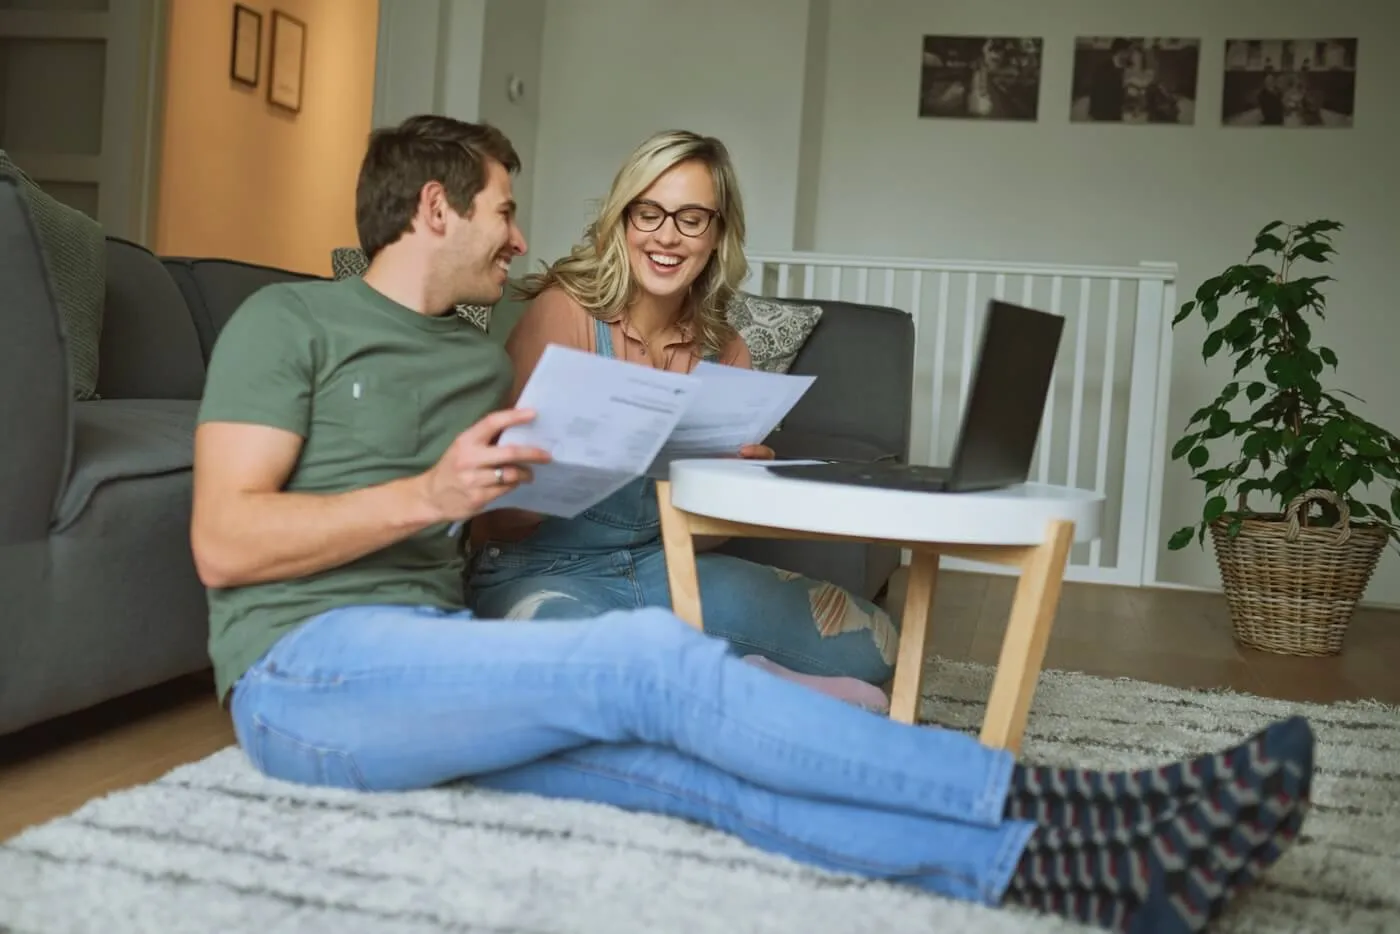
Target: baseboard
[{"x": 1176, "y": 586}]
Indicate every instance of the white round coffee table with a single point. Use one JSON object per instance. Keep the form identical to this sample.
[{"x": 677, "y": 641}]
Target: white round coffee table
[{"x": 1030, "y": 526}]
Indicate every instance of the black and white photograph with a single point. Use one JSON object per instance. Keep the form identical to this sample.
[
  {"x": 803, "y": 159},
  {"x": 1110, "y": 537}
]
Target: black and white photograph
[
  {"x": 1289, "y": 82},
  {"x": 1135, "y": 79},
  {"x": 980, "y": 77}
]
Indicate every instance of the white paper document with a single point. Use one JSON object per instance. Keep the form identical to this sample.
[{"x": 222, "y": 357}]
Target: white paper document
[
  {"x": 606, "y": 422},
  {"x": 734, "y": 407},
  {"x": 602, "y": 422}
]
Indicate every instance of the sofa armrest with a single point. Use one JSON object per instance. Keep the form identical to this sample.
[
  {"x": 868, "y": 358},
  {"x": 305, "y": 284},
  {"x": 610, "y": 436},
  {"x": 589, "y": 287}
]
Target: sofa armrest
[
  {"x": 863, "y": 358},
  {"x": 35, "y": 396}
]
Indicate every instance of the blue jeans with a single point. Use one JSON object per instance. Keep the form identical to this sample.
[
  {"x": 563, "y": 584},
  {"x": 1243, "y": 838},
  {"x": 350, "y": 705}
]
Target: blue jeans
[
  {"x": 610, "y": 557},
  {"x": 637, "y": 710}
]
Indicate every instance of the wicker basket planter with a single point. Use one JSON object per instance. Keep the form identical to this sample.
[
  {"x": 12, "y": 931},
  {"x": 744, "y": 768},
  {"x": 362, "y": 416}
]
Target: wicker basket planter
[{"x": 1291, "y": 588}]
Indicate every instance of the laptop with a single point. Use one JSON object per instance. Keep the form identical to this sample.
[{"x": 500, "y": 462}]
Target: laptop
[{"x": 1000, "y": 425}]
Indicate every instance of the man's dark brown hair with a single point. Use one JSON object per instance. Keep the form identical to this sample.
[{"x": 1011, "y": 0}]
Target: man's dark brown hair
[{"x": 402, "y": 159}]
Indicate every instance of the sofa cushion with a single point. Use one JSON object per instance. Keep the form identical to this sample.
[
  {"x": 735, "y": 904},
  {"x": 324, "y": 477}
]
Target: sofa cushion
[
  {"x": 75, "y": 253},
  {"x": 120, "y": 439},
  {"x": 774, "y": 331},
  {"x": 863, "y": 358},
  {"x": 214, "y": 288},
  {"x": 349, "y": 261},
  {"x": 150, "y": 347},
  {"x": 790, "y": 444}
]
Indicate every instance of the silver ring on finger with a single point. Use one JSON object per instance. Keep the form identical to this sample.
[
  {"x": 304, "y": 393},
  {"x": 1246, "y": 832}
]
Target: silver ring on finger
[{"x": 501, "y": 476}]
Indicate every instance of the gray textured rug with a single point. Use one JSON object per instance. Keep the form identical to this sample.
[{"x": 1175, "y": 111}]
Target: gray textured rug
[{"x": 214, "y": 847}]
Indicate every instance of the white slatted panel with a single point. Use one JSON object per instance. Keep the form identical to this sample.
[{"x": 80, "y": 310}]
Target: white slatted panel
[{"x": 1104, "y": 424}]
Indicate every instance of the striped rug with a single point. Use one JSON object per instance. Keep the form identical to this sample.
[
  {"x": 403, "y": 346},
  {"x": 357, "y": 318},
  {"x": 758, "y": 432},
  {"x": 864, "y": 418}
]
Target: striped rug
[{"x": 214, "y": 847}]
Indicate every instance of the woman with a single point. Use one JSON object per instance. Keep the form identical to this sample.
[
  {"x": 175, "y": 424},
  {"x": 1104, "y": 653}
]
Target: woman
[{"x": 649, "y": 284}]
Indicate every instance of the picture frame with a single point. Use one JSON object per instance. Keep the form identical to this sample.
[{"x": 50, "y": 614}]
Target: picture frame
[
  {"x": 980, "y": 77},
  {"x": 245, "y": 51},
  {"x": 1289, "y": 83},
  {"x": 286, "y": 62},
  {"x": 1135, "y": 80}
]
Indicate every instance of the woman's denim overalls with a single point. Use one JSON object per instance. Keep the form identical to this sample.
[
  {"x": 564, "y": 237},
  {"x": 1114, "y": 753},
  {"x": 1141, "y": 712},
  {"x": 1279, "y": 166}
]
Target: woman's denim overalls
[{"x": 610, "y": 557}]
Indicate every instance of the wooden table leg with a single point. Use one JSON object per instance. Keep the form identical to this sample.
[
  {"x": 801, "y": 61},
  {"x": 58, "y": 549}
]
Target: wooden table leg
[
  {"x": 914, "y": 637},
  {"x": 679, "y": 549},
  {"x": 1027, "y": 635}
]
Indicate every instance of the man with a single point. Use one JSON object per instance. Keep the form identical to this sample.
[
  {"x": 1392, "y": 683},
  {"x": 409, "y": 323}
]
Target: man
[{"x": 347, "y": 426}]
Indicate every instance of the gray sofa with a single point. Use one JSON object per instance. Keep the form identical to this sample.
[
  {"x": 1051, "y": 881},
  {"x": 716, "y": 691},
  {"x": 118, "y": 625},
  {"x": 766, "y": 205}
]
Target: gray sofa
[{"x": 100, "y": 596}]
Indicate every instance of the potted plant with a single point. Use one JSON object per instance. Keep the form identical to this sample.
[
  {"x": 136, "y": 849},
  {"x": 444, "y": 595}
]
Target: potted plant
[{"x": 1292, "y": 581}]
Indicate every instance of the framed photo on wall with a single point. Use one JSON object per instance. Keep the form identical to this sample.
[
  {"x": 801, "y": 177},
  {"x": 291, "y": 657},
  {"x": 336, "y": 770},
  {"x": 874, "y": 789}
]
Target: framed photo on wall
[
  {"x": 245, "y": 58},
  {"x": 288, "y": 61},
  {"x": 980, "y": 77},
  {"x": 1135, "y": 79},
  {"x": 1289, "y": 83}
]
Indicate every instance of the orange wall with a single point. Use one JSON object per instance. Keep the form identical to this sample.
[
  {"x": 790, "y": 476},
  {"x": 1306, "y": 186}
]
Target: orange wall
[{"x": 242, "y": 179}]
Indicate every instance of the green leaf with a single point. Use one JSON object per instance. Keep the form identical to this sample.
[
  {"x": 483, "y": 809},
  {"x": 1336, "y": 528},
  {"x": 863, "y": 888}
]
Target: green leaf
[
  {"x": 1213, "y": 478},
  {"x": 1328, "y": 356},
  {"x": 1212, "y": 344},
  {"x": 1255, "y": 391},
  {"x": 1212, "y": 288},
  {"x": 1220, "y": 423},
  {"x": 1184, "y": 313},
  {"x": 1395, "y": 501},
  {"x": 1180, "y": 539},
  {"x": 1344, "y": 476},
  {"x": 1198, "y": 457},
  {"x": 1313, "y": 228},
  {"x": 1311, "y": 250},
  {"x": 1182, "y": 447},
  {"x": 1201, "y": 414},
  {"x": 1267, "y": 243},
  {"x": 1215, "y": 508},
  {"x": 1210, "y": 310}
]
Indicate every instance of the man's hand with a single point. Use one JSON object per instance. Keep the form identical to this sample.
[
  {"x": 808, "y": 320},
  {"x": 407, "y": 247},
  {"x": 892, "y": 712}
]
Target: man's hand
[
  {"x": 757, "y": 452},
  {"x": 475, "y": 471}
]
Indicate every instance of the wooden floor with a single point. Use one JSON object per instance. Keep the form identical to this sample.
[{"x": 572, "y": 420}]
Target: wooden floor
[{"x": 1169, "y": 637}]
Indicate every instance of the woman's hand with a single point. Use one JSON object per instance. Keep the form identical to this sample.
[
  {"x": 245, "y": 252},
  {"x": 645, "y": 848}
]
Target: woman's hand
[{"x": 757, "y": 452}]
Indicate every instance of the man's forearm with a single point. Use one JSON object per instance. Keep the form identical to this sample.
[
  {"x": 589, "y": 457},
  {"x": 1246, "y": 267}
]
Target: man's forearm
[{"x": 255, "y": 537}]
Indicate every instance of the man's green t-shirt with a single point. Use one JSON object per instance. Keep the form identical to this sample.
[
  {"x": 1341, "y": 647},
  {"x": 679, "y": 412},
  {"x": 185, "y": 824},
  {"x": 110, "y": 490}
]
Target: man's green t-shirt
[{"x": 377, "y": 392}]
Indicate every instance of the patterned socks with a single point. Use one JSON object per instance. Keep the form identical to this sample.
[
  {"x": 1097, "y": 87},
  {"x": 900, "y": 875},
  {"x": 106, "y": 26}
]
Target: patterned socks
[
  {"x": 1174, "y": 867},
  {"x": 1105, "y": 801}
]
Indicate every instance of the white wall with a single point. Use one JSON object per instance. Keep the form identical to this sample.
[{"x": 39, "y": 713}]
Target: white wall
[
  {"x": 512, "y": 47},
  {"x": 892, "y": 184},
  {"x": 615, "y": 71},
  {"x": 832, "y": 155},
  {"x": 428, "y": 59}
]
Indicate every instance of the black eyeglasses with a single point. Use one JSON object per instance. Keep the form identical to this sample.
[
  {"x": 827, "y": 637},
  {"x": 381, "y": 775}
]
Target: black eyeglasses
[{"x": 647, "y": 216}]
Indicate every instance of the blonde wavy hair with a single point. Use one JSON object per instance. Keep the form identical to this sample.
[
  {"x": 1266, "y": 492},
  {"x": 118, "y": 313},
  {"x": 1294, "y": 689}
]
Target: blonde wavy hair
[{"x": 597, "y": 272}]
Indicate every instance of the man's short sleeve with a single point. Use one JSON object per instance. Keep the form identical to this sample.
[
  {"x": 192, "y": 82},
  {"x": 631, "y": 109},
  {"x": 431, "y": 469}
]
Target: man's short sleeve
[{"x": 262, "y": 370}]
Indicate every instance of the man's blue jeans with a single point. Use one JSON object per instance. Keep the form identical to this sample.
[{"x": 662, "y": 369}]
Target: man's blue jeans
[{"x": 638, "y": 710}]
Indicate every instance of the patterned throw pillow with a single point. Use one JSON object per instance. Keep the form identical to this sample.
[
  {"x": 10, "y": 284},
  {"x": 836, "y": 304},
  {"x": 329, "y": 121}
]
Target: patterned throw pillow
[
  {"x": 349, "y": 261},
  {"x": 774, "y": 331},
  {"x": 75, "y": 250}
]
